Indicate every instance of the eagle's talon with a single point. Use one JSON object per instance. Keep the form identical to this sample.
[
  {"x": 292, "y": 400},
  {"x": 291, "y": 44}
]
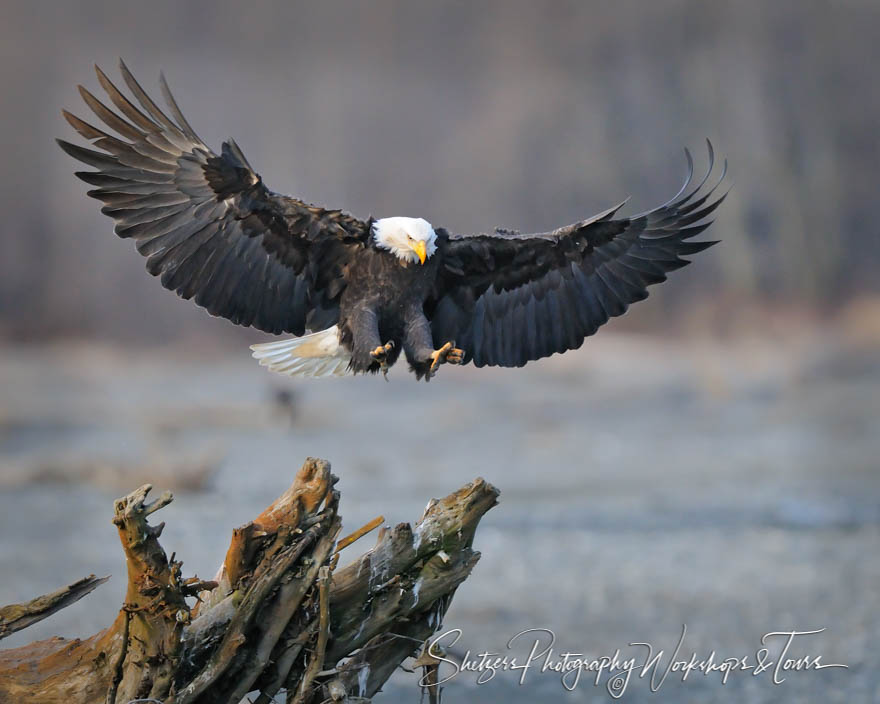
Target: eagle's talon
[
  {"x": 380, "y": 355},
  {"x": 448, "y": 353},
  {"x": 382, "y": 351}
]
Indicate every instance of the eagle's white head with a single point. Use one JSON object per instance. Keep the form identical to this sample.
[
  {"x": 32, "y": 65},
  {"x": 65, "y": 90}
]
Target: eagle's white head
[{"x": 411, "y": 239}]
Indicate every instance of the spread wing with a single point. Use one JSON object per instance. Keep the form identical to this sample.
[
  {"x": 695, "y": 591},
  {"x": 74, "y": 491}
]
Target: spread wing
[
  {"x": 507, "y": 298},
  {"x": 206, "y": 223}
]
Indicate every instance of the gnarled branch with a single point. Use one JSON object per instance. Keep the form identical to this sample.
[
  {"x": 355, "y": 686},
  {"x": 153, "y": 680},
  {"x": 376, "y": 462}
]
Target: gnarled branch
[{"x": 15, "y": 617}]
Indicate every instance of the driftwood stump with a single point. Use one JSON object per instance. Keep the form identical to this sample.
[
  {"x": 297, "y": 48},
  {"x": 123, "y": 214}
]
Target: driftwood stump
[{"x": 278, "y": 616}]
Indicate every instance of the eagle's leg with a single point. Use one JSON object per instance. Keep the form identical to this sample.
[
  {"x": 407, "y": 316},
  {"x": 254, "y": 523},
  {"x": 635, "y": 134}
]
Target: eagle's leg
[
  {"x": 418, "y": 345},
  {"x": 367, "y": 351}
]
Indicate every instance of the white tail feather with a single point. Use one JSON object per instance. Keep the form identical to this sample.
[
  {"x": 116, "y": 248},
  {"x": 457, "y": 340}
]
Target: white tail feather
[{"x": 315, "y": 355}]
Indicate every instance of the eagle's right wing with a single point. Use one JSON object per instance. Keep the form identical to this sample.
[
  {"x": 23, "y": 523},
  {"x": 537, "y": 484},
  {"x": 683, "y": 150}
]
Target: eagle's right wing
[{"x": 206, "y": 222}]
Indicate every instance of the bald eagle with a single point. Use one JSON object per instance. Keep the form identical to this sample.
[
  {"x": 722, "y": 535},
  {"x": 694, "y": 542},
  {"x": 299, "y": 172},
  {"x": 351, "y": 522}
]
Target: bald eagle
[{"x": 365, "y": 290}]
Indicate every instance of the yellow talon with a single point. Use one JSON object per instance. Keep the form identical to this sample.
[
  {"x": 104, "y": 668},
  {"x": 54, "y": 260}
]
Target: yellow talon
[
  {"x": 380, "y": 355},
  {"x": 448, "y": 353}
]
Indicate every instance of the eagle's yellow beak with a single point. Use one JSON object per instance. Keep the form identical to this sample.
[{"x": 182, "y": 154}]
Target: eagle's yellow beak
[{"x": 419, "y": 248}]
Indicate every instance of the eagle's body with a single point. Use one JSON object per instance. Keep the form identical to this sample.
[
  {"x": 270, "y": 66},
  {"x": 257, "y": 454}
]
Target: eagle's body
[
  {"x": 384, "y": 302},
  {"x": 356, "y": 294}
]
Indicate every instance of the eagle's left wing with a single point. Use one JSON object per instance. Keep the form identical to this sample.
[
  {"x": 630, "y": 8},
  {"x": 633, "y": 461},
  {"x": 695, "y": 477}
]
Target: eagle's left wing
[{"x": 506, "y": 298}]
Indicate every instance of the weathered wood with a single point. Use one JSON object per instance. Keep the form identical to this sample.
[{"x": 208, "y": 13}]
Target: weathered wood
[
  {"x": 359, "y": 533},
  {"x": 309, "y": 489},
  {"x": 155, "y": 609},
  {"x": 15, "y": 617},
  {"x": 361, "y": 595},
  {"x": 279, "y": 615}
]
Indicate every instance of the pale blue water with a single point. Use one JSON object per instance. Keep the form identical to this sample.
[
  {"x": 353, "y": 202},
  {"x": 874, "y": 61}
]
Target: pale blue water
[{"x": 644, "y": 485}]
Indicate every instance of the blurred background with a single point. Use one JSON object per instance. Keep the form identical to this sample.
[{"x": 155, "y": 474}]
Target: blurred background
[{"x": 709, "y": 459}]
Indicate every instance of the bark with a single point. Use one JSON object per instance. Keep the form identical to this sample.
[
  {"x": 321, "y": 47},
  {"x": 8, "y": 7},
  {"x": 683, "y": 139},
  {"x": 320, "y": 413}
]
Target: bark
[{"x": 278, "y": 616}]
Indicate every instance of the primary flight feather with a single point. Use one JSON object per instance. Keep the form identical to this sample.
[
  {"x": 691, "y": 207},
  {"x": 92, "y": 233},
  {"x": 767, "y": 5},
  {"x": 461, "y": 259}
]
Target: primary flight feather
[{"x": 365, "y": 290}]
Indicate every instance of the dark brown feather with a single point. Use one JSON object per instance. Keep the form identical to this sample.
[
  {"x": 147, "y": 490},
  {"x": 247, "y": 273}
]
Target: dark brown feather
[
  {"x": 507, "y": 298},
  {"x": 206, "y": 223}
]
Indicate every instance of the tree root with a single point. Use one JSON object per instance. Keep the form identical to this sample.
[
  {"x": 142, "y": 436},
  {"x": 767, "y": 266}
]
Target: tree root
[{"x": 278, "y": 615}]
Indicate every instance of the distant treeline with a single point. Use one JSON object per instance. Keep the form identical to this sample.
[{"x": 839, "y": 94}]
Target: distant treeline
[{"x": 473, "y": 115}]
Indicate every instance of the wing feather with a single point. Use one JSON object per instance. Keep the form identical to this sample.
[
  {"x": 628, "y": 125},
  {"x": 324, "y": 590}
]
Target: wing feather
[
  {"x": 207, "y": 225},
  {"x": 507, "y": 298}
]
